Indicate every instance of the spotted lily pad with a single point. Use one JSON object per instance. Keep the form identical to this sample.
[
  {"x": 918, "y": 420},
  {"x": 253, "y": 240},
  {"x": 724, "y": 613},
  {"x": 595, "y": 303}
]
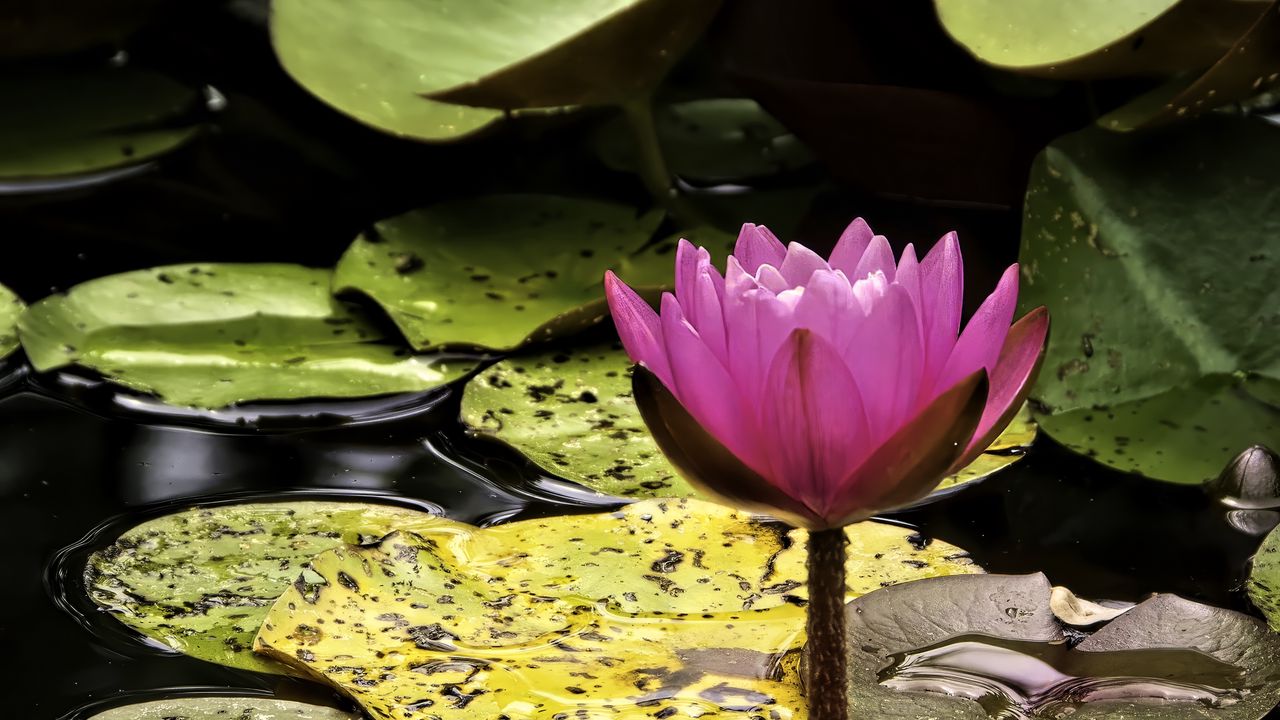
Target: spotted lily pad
[
  {"x": 1264, "y": 579},
  {"x": 212, "y": 335},
  {"x": 661, "y": 608},
  {"x": 222, "y": 708},
  {"x": 570, "y": 411},
  {"x": 11, "y": 306},
  {"x": 60, "y": 122},
  {"x": 714, "y": 140},
  {"x": 200, "y": 581},
  {"x": 381, "y": 61},
  {"x": 989, "y": 646},
  {"x": 1176, "y": 384},
  {"x": 499, "y": 271}
]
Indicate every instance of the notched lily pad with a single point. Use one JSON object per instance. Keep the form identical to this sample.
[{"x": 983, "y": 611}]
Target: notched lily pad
[
  {"x": 990, "y": 647},
  {"x": 714, "y": 140},
  {"x": 11, "y": 306},
  {"x": 222, "y": 708},
  {"x": 1264, "y": 579},
  {"x": 201, "y": 580},
  {"x": 502, "y": 270},
  {"x": 570, "y": 411},
  {"x": 61, "y": 122},
  {"x": 215, "y": 334},
  {"x": 661, "y": 608},
  {"x": 1187, "y": 374}
]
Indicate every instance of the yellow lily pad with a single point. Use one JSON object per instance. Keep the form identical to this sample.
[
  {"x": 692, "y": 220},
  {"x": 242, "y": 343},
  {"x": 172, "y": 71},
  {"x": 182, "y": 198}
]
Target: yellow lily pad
[
  {"x": 570, "y": 411},
  {"x": 200, "y": 581},
  {"x": 661, "y": 608}
]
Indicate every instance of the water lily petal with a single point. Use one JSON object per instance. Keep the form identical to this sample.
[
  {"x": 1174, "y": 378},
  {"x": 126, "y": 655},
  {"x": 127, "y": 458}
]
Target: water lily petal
[
  {"x": 705, "y": 462},
  {"x": 983, "y": 336},
  {"x": 812, "y": 411},
  {"x": 704, "y": 387},
  {"x": 909, "y": 278},
  {"x": 942, "y": 299},
  {"x": 828, "y": 308},
  {"x": 638, "y": 326},
  {"x": 850, "y": 247},
  {"x": 885, "y": 357},
  {"x": 1011, "y": 380},
  {"x": 690, "y": 261},
  {"x": 706, "y": 314},
  {"x": 758, "y": 246},
  {"x": 878, "y": 257},
  {"x": 908, "y": 465},
  {"x": 768, "y": 277},
  {"x": 800, "y": 264}
]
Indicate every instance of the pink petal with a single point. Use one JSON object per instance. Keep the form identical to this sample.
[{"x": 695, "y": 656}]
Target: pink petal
[
  {"x": 885, "y": 358},
  {"x": 911, "y": 462},
  {"x": 800, "y": 264},
  {"x": 850, "y": 247},
  {"x": 941, "y": 301},
  {"x": 812, "y": 411},
  {"x": 638, "y": 327},
  {"x": 879, "y": 256},
  {"x": 757, "y": 246},
  {"x": 828, "y": 308},
  {"x": 689, "y": 260},
  {"x": 909, "y": 278},
  {"x": 706, "y": 313},
  {"x": 979, "y": 345},
  {"x": 705, "y": 389},
  {"x": 769, "y": 278},
  {"x": 1011, "y": 380}
]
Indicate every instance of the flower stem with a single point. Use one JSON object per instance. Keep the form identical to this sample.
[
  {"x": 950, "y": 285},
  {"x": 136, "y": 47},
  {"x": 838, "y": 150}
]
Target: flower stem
[
  {"x": 653, "y": 165},
  {"x": 824, "y": 676}
]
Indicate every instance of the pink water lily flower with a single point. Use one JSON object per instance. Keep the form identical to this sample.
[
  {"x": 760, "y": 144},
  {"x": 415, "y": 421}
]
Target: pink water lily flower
[{"x": 822, "y": 391}]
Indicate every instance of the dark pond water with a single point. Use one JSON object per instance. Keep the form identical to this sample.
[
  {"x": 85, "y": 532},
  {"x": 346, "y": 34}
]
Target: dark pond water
[{"x": 75, "y": 473}]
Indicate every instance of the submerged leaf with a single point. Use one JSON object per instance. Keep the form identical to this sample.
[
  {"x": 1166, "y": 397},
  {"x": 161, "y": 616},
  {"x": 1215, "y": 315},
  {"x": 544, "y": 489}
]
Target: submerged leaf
[
  {"x": 501, "y": 270},
  {"x": 201, "y": 580},
  {"x": 1183, "y": 375},
  {"x": 713, "y": 140},
  {"x": 216, "y": 334},
  {"x": 381, "y": 60},
  {"x": 11, "y": 306},
  {"x": 660, "y": 608},
  {"x": 60, "y": 122},
  {"x": 222, "y": 708},
  {"x": 979, "y": 647},
  {"x": 570, "y": 411}
]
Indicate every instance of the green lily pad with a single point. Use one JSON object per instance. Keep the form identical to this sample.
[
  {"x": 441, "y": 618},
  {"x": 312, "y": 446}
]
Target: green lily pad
[
  {"x": 380, "y": 60},
  {"x": 212, "y": 335},
  {"x": 222, "y": 708},
  {"x": 978, "y": 647},
  {"x": 1249, "y": 67},
  {"x": 200, "y": 581},
  {"x": 662, "y": 608},
  {"x": 715, "y": 140},
  {"x": 60, "y": 122},
  {"x": 500, "y": 271},
  {"x": 570, "y": 411},
  {"x": 11, "y": 306},
  {"x": 1096, "y": 38},
  {"x": 1107, "y": 226},
  {"x": 1264, "y": 579}
]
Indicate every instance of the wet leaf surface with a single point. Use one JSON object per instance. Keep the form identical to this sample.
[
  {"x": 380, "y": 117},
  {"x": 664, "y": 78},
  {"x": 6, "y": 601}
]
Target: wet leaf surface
[
  {"x": 570, "y": 411},
  {"x": 212, "y": 335},
  {"x": 715, "y": 140},
  {"x": 11, "y": 306},
  {"x": 379, "y": 60},
  {"x": 200, "y": 581},
  {"x": 222, "y": 708},
  {"x": 65, "y": 122},
  {"x": 1096, "y": 38},
  {"x": 1105, "y": 228},
  {"x": 1264, "y": 579},
  {"x": 502, "y": 270},
  {"x": 660, "y": 608},
  {"x": 990, "y": 647}
]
